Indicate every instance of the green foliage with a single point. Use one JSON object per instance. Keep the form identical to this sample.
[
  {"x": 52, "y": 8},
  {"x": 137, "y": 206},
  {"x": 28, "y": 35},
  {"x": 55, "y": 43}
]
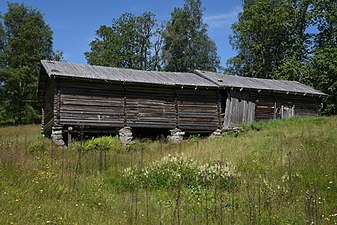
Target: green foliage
[
  {"x": 131, "y": 42},
  {"x": 19, "y": 88},
  {"x": 29, "y": 37},
  {"x": 25, "y": 39},
  {"x": 106, "y": 143},
  {"x": 324, "y": 18},
  {"x": 2, "y": 48},
  {"x": 288, "y": 39},
  {"x": 260, "y": 36},
  {"x": 38, "y": 148},
  {"x": 194, "y": 138},
  {"x": 323, "y": 75},
  {"x": 285, "y": 173},
  {"x": 292, "y": 69},
  {"x": 173, "y": 171},
  {"x": 186, "y": 43},
  {"x": 100, "y": 144}
]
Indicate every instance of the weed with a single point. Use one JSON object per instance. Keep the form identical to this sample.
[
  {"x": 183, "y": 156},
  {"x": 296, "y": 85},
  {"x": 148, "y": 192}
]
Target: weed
[{"x": 277, "y": 172}]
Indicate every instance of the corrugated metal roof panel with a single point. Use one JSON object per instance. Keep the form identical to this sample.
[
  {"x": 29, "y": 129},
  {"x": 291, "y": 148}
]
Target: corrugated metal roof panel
[
  {"x": 224, "y": 80},
  {"x": 66, "y": 69}
]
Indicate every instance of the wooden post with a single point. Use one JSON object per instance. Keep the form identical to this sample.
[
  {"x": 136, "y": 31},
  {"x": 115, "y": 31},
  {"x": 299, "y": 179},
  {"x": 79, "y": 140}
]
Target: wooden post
[
  {"x": 218, "y": 103},
  {"x": 275, "y": 110},
  {"x": 42, "y": 121},
  {"x": 124, "y": 106},
  {"x": 58, "y": 106},
  {"x": 176, "y": 107},
  {"x": 70, "y": 129}
]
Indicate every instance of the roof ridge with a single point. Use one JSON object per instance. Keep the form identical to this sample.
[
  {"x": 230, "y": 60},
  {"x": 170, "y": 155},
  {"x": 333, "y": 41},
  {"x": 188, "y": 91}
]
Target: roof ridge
[
  {"x": 85, "y": 71},
  {"x": 112, "y": 67}
]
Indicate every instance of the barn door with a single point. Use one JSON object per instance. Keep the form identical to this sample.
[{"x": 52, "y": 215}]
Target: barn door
[{"x": 239, "y": 109}]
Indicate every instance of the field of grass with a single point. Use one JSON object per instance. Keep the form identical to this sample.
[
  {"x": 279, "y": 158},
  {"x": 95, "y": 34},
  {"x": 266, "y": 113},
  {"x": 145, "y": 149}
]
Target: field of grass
[{"x": 276, "y": 172}]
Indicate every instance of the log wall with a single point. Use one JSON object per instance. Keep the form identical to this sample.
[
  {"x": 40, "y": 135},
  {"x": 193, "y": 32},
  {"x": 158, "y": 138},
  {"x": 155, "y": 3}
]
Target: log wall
[
  {"x": 280, "y": 106},
  {"x": 113, "y": 105},
  {"x": 245, "y": 107},
  {"x": 109, "y": 105},
  {"x": 91, "y": 104},
  {"x": 48, "y": 108},
  {"x": 150, "y": 107},
  {"x": 198, "y": 109}
]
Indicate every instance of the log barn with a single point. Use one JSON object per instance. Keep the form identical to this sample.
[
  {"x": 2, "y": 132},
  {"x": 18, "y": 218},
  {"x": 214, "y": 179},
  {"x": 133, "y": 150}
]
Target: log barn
[
  {"x": 103, "y": 99},
  {"x": 245, "y": 99},
  {"x": 79, "y": 98}
]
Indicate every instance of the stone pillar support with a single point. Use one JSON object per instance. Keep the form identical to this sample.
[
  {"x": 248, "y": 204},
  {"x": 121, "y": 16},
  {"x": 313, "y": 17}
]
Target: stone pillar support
[
  {"x": 177, "y": 135},
  {"x": 218, "y": 133},
  {"x": 56, "y": 136},
  {"x": 125, "y": 135}
]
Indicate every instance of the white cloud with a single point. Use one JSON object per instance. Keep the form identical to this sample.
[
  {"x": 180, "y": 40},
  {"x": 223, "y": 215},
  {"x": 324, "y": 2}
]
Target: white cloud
[{"x": 224, "y": 20}]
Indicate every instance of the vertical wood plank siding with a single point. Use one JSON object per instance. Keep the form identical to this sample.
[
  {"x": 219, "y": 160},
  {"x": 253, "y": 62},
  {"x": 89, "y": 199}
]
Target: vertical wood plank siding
[
  {"x": 245, "y": 107},
  {"x": 239, "y": 109}
]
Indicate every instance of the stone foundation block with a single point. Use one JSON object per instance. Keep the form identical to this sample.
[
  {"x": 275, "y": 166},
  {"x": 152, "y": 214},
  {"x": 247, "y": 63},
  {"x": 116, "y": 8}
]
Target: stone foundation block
[
  {"x": 218, "y": 133},
  {"x": 177, "y": 135},
  {"x": 125, "y": 135},
  {"x": 57, "y": 137}
]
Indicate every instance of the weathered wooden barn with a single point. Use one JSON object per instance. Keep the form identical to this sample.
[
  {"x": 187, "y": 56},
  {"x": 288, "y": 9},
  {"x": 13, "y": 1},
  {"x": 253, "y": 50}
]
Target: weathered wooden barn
[
  {"x": 101, "y": 99},
  {"x": 244, "y": 99},
  {"x": 84, "y": 98}
]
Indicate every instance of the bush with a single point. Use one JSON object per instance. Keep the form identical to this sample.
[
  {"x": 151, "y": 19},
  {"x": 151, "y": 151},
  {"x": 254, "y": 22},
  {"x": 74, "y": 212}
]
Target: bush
[
  {"x": 101, "y": 144},
  {"x": 172, "y": 171}
]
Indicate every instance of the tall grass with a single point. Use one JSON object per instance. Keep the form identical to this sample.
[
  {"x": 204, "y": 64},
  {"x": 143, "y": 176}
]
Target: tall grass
[{"x": 276, "y": 172}]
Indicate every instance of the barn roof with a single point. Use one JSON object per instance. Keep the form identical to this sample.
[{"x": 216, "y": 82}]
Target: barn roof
[
  {"x": 283, "y": 86},
  {"x": 70, "y": 70},
  {"x": 197, "y": 79}
]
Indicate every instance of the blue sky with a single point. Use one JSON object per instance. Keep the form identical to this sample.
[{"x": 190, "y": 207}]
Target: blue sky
[{"x": 74, "y": 22}]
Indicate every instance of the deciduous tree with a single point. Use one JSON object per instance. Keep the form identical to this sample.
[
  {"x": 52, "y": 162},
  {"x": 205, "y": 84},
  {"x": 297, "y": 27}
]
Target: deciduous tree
[
  {"x": 261, "y": 38},
  {"x": 25, "y": 39},
  {"x": 288, "y": 39},
  {"x": 323, "y": 66},
  {"x": 127, "y": 43},
  {"x": 186, "y": 43},
  {"x": 294, "y": 65}
]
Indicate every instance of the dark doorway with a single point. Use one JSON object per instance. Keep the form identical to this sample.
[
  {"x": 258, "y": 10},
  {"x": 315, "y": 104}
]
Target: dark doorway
[{"x": 224, "y": 96}]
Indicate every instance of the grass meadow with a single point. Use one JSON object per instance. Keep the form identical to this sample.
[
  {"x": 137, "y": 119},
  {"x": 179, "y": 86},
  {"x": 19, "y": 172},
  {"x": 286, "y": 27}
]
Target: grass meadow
[{"x": 275, "y": 172}]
